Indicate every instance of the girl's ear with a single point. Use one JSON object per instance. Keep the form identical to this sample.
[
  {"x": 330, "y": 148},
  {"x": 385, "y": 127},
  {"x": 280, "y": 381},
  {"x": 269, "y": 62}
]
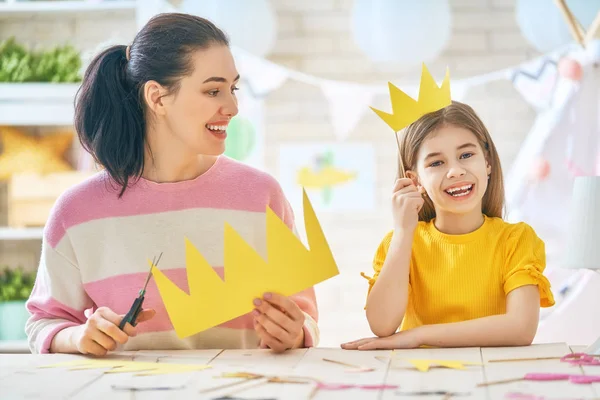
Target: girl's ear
[
  {"x": 488, "y": 168},
  {"x": 415, "y": 178}
]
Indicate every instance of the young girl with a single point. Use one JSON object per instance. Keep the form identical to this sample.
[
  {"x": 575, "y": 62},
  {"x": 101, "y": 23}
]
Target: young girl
[
  {"x": 452, "y": 273},
  {"x": 154, "y": 116}
]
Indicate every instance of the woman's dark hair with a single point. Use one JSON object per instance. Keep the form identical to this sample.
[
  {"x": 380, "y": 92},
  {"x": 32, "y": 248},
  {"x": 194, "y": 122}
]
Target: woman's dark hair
[{"x": 109, "y": 107}]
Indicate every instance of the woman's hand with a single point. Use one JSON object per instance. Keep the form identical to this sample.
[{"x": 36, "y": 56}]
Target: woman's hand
[
  {"x": 279, "y": 322},
  {"x": 401, "y": 340},
  {"x": 101, "y": 333}
]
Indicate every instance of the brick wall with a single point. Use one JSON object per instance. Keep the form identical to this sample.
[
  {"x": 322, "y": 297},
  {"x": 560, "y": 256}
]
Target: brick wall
[{"x": 315, "y": 37}]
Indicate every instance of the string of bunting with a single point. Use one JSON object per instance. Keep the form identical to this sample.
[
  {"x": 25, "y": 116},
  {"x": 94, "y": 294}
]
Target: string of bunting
[{"x": 349, "y": 101}]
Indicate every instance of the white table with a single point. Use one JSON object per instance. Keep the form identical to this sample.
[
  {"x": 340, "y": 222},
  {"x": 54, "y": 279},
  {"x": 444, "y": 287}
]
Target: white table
[{"x": 21, "y": 378}]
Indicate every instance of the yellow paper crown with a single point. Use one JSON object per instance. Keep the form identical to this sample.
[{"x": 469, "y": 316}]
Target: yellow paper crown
[
  {"x": 405, "y": 110},
  {"x": 289, "y": 269}
]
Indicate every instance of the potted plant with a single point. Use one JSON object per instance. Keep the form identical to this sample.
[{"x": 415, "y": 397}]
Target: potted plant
[{"x": 15, "y": 287}]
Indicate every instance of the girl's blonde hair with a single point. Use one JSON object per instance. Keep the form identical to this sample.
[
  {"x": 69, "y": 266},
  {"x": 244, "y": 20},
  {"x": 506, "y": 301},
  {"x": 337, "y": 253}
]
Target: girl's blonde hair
[{"x": 463, "y": 116}]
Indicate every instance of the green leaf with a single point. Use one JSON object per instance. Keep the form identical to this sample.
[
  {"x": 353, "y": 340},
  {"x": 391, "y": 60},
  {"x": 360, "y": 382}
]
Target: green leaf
[
  {"x": 58, "y": 64},
  {"x": 15, "y": 284}
]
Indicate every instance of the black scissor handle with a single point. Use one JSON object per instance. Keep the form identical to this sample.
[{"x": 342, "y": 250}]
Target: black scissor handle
[{"x": 133, "y": 313}]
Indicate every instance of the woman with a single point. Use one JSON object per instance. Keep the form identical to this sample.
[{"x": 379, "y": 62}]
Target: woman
[{"x": 154, "y": 116}]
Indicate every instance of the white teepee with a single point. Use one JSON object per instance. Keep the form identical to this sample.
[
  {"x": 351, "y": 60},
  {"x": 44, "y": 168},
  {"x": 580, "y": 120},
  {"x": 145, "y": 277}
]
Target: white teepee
[{"x": 566, "y": 135}]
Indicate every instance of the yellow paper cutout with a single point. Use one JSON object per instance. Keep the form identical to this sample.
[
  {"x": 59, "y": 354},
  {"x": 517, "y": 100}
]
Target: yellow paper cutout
[
  {"x": 245, "y": 375},
  {"x": 289, "y": 269},
  {"x": 424, "y": 365},
  {"x": 405, "y": 110},
  {"x": 22, "y": 153},
  {"x": 328, "y": 176},
  {"x": 121, "y": 366}
]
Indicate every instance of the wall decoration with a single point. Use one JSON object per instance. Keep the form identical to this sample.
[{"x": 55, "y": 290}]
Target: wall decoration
[
  {"x": 338, "y": 177},
  {"x": 23, "y": 153}
]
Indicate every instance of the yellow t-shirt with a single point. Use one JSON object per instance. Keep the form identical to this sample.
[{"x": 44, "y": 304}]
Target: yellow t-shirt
[{"x": 460, "y": 277}]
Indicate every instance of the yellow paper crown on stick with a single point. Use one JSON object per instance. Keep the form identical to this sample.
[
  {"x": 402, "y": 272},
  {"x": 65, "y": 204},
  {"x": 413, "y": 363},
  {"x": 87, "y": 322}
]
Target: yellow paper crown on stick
[
  {"x": 406, "y": 110},
  {"x": 289, "y": 269}
]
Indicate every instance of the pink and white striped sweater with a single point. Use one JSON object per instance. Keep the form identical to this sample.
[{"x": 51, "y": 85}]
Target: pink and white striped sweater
[{"x": 96, "y": 246}]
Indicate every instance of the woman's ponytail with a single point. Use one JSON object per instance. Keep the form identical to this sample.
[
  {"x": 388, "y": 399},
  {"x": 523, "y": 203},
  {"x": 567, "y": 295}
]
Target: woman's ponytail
[{"x": 109, "y": 117}]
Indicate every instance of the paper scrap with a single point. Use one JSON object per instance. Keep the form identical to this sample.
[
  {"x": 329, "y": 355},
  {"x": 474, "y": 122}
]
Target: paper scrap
[
  {"x": 245, "y": 375},
  {"x": 433, "y": 393},
  {"x": 345, "y": 386},
  {"x": 425, "y": 365},
  {"x": 122, "y": 366},
  {"x": 149, "y": 388},
  {"x": 334, "y": 386},
  {"x": 243, "y": 398},
  {"x": 289, "y": 269}
]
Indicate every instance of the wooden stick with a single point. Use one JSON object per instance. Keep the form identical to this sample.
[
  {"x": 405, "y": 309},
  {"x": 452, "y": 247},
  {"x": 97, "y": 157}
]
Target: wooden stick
[
  {"x": 571, "y": 22},
  {"x": 313, "y": 392},
  {"x": 525, "y": 359},
  {"x": 262, "y": 379},
  {"x": 593, "y": 29},
  {"x": 401, "y": 170},
  {"x": 231, "y": 384},
  {"x": 243, "y": 389},
  {"x": 358, "y": 368},
  {"x": 499, "y": 382},
  {"x": 341, "y": 363},
  {"x": 531, "y": 359}
]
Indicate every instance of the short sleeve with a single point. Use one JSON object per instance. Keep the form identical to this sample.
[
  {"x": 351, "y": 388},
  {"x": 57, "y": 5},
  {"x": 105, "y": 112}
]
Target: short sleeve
[
  {"x": 525, "y": 263},
  {"x": 378, "y": 260}
]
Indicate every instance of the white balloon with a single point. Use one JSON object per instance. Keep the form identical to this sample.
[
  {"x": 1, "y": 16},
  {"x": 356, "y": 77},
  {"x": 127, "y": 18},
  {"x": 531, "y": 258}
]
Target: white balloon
[
  {"x": 406, "y": 31},
  {"x": 543, "y": 25},
  {"x": 250, "y": 24}
]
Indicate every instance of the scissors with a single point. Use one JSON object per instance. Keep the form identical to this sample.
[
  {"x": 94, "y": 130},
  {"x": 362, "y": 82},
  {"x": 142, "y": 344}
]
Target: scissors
[
  {"x": 580, "y": 359},
  {"x": 136, "y": 307},
  {"x": 577, "y": 379}
]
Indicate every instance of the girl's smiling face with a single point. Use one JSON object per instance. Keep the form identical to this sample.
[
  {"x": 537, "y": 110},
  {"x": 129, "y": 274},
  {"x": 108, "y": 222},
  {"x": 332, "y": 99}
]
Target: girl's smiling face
[{"x": 453, "y": 170}]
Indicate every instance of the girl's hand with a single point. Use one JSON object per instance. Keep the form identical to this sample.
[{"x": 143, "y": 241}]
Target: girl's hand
[
  {"x": 401, "y": 340},
  {"x": 279, "y": 322},
  {"x": 101, "y": 333},
  {"x": 406, "y": 203}
]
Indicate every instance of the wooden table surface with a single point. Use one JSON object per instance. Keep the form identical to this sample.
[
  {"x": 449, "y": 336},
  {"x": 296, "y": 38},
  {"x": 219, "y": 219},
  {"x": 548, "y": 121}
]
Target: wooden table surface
[{"x": 20, "y": 377}]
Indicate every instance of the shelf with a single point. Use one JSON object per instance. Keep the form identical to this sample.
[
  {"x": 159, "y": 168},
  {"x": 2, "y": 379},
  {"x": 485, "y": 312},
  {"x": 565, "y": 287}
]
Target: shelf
[
  {"x": 34, "y": 104},
  {"x": 21, "y": 233},
  {"x": 24, "y": 8}
]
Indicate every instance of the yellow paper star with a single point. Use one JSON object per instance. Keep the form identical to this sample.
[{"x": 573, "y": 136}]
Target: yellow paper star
[
  {"x": 425, "y": 365},
  {"x": 22, "y": 153}
]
